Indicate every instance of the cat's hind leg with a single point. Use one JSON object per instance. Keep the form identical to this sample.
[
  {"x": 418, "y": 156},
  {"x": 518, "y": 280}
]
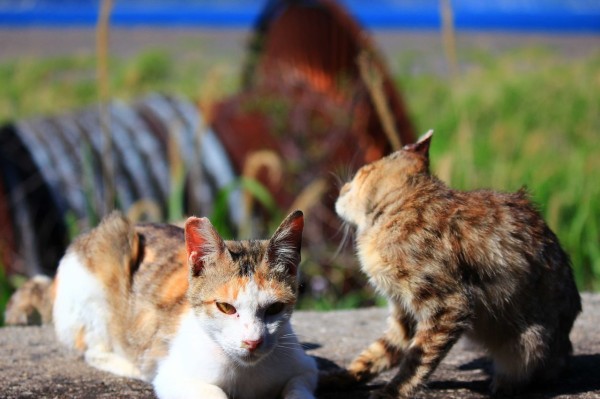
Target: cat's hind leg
[
  {"x": 519, "y": 359},
  {"x": 80, "y": 310},
  {"x": 82, "y": 317}
]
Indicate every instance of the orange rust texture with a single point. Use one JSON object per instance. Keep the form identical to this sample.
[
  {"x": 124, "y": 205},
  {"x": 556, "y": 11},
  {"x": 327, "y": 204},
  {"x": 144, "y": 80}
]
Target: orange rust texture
[
  {"x": 321, "y": 44},
  {"x": 306, "y": 67}
]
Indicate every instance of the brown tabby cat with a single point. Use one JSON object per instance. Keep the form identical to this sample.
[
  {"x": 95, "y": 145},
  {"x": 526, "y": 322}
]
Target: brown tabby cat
[{"x": 481, "y": 263}]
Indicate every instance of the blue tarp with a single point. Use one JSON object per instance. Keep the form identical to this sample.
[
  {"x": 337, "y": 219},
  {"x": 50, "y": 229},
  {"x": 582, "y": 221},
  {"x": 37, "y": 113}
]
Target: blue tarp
[{"x": 517, "y": 15}]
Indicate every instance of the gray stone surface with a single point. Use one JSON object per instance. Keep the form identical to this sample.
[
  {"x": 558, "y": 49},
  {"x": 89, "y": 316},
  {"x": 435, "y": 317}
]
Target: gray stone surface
[{"x": 34, "y": 365}]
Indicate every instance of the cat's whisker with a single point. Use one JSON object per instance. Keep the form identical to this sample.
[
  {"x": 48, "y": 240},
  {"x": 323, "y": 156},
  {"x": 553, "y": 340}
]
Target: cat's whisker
[
  {"x": 288, "y": 353},
  {"x": 294, "y": 343},
  {"x": 293, "y": 335},
  {"x": 292, "y": 347},
  {"x": 347, "y": 232},
  {"x": 297, "y": 344},
  {"x": 289, "y": 342},
  {"x": 338, "y": 179}
]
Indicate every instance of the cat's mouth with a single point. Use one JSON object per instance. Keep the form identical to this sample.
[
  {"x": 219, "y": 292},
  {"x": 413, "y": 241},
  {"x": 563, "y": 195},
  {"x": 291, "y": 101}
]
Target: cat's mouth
[{"x": 251, "y": 357}]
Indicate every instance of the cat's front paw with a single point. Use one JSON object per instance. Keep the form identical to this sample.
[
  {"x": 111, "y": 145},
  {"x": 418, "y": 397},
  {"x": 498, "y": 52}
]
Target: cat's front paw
[{"x": 194, "y": 390}]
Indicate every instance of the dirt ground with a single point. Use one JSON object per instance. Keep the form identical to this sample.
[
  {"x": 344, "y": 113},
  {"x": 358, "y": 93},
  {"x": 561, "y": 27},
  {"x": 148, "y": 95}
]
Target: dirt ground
[{"x": 34, "y": 365}]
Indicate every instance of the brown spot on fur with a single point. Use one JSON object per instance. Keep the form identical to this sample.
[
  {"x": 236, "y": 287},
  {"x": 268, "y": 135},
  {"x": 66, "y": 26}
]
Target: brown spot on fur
[
  {"x": 144, "y": 320},
  {"x": 53, "y": 289},
  {"x": 150, "y": 255},
  {"x": 80, "y": 340},
  {"x": 285, "y": 292},
  {"x": 261, "y": 278},
  {"x": 174, "y": 287},
  {"x": 231, "y": 290}
]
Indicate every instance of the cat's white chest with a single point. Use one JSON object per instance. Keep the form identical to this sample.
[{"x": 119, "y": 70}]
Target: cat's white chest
[{"x": 193, "y": 357}]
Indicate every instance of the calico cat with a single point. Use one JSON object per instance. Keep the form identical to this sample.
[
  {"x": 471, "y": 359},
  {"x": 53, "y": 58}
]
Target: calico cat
[
  {"x": 479, "y": 263},
  {"x": 197, "y": 316}
]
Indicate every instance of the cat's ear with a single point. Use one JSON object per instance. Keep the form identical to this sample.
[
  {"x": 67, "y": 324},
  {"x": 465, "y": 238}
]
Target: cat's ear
[
  {"x": 286, "y": 243},
  {"x": 202, "y": 241},
  {"x": 422, "y": 145}
]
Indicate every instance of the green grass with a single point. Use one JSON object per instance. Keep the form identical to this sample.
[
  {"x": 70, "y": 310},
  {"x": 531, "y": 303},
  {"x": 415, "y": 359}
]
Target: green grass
[
  {"x": 62, "y": 84},
  {"x": 527, "y": 118}
]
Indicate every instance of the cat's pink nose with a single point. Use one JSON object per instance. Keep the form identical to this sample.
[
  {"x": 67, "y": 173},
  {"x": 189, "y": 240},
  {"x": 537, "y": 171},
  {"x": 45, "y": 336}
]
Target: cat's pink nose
[{"x": 252, "y": 345}]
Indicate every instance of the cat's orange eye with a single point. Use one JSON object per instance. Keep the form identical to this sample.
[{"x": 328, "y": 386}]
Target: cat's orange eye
[
  {"x": 275, "y": 308},
  {"x": 225, "y": 307}
]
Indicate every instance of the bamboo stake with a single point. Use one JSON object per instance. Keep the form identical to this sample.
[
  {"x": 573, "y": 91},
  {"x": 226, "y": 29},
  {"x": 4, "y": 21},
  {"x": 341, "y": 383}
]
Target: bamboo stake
[
  {"x": 449, "y": 37},
  {"x": 374, "y": 82},
  {"x": 107, "y": 162}
]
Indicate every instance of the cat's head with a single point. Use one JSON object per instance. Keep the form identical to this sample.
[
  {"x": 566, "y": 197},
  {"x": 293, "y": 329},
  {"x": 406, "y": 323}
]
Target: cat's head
[
  {"x": 244, "y": 292},
  {"x": 381, "y": 181}
]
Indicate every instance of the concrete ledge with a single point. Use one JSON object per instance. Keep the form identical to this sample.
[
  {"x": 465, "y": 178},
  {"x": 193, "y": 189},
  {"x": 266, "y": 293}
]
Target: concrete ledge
[{"x": 33, "y": 364}]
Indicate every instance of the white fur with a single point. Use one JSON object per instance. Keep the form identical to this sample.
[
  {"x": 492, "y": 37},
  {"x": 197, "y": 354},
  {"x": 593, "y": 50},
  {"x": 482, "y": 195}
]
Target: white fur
[
  {"x": 346, "y": 204},
  {"x": 207, "y": 360},
  {"x": 80, "y": 305},
  {"x": 41, "y": 279}
]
